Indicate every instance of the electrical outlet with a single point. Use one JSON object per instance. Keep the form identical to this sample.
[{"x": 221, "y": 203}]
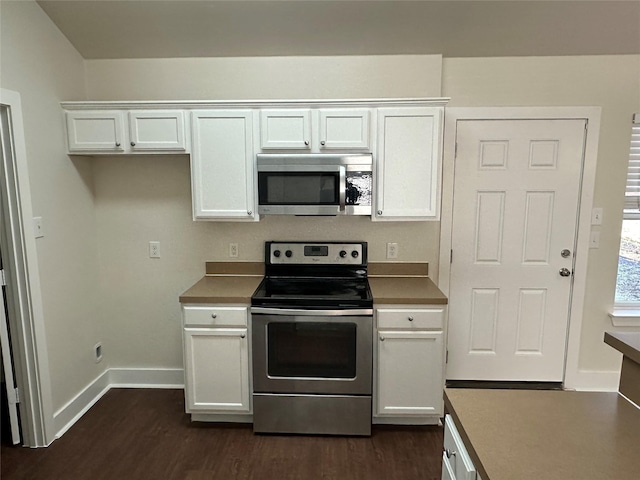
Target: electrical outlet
[
  {"x": 233, "y": 250},
  {"x": 97, "y": 350},
  {"x": 154, "y": 249},
  {"x": 392, "y": 250}
]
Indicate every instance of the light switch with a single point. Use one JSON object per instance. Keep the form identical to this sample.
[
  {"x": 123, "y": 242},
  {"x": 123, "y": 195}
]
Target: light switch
[
  {"x": 38, "y": 227},
  {"x": 596, "y": 216},
  {"x": 594, "y": 240}
]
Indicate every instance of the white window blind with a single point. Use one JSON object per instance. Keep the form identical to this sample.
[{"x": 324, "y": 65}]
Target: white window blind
[{"x": 632, "y": 193}]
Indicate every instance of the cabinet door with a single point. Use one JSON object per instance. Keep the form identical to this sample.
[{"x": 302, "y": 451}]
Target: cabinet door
[
  {"x": 344, "y": 129},
  {"x": 447, "y": 469},
  {"x": 223, "y": 165},
  {"x": 410, "y": 372},
  {"x": 216, "y": 369},
  {"x": 95, "y": 131},
  {"x": 455, "y": 452},
  {"x": 285, "y": 129},
  {"x": 408, "y": 165},
  {"x": 157, "y": 130}
]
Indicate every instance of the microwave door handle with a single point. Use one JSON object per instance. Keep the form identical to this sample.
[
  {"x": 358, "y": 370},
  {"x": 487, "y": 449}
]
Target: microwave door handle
[{"x": 343, "y": 189}]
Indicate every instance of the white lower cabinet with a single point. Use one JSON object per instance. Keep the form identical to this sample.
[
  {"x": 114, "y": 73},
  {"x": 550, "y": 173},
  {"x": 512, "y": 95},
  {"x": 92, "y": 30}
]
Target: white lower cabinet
[
  {"x": 410, "y": 362},
  {"x": 216, "y": 354},
  {"x": 456, "y": 463}
]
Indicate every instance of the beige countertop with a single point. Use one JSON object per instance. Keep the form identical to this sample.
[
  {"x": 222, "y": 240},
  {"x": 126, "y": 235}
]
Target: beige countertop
[
  {"x": 405, "y": 290},
  {"x": 628, "y": 343},
  {"x": 547, "y": 435},
  {"x": 235, "y": 282}
]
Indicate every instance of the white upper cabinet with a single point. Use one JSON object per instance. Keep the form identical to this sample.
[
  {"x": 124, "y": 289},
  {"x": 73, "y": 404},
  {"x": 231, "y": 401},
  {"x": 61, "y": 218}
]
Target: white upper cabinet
[
  {"x": 105, "y": 131},
  {"x": 408, "y": 163},
  {"x": 285, "y": 129},
  {"x": 315, "y": 130},
  {"x": 223, "y": 165},
  {"x": 98, "y": 130},
  {"x": 157, "y": 130}
]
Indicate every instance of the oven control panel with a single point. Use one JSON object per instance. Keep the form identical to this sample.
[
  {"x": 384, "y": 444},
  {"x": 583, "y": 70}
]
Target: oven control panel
[{"x": 316, "y": 253}]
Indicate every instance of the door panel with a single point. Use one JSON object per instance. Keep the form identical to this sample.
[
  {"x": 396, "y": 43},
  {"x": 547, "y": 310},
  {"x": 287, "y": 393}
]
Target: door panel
[{"x": 515, "y": 209}]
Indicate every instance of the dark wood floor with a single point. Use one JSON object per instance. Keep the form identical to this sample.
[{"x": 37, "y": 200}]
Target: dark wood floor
[{"x": 145, "y": 434}]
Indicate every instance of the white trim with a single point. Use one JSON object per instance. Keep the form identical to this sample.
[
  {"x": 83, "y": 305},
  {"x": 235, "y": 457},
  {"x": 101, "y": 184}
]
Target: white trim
[
  {"x": 625, "y": 316},
  {"x": 31, "y": 355},
  {"x": 70, "y": 413},
  {"x": 207, "y": 104},
  {"x": 572, "y": 377},
  {"x": 80, "y": 404},
  {"x": 594, "y": 381}
]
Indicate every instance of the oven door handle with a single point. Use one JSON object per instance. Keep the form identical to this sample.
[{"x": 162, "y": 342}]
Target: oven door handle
[
  {"x": 342, "y": 193},
  {"x": 315, "y": 313}
]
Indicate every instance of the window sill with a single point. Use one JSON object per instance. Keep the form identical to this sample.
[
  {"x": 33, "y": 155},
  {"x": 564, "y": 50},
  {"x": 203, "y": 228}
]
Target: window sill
[{"x": 625, "y": 316}]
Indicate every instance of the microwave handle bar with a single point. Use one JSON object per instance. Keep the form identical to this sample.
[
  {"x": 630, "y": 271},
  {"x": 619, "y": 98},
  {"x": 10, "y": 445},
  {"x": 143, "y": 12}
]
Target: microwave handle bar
[{"x": 343, "y": 189}]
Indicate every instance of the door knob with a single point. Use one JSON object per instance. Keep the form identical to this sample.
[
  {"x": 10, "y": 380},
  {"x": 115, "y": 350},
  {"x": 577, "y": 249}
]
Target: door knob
[{"x": 565, "y": 272}]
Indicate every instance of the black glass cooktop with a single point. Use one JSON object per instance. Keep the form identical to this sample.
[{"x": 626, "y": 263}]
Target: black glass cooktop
[{"x": 313, "y": 293}]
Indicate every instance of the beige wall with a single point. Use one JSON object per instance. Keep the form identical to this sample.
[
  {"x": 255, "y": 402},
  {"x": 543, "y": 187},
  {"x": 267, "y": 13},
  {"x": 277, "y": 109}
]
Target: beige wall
[
  {"x": 139, "y": 199},
  {"x": 611, "y": 82},
  {"x": 38, "y": 62}
]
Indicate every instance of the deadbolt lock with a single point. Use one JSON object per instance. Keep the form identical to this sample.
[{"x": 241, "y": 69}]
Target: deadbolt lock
[{"x": 565, "y": 253}]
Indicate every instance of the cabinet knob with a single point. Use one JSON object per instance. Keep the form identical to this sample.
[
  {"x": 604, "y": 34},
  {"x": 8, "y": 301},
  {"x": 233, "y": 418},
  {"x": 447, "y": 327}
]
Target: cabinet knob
[
  {"x": 381, "y": 338},
  {"x": 249, "y": 212},
  {"x": 306, "y": 142},
  {"x": 410, "y": 319},
  {"x": 133, "y": 144},
  {"x": 117, "y": 144},
  {"x": 323, "y": 143},
  {"x": 449, "y": 453},
  {"x": 242, "y": 335},
  {"x": 379, "y": 212},
  {"x": 214, "y": 315}
]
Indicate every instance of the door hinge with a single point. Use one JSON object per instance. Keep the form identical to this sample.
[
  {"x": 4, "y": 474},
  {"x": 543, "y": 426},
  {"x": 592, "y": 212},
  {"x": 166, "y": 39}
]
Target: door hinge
[
  {"x": 3, "y": 281},
  {"x": 451, "y": 257},
  {"x": 455, "y": 152},
  {"x": 446, "y": 357},
  {"x": 16, "y": 396}
]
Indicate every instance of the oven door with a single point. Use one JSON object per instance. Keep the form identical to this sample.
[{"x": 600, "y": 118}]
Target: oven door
[{"x": 312, "y": 351}]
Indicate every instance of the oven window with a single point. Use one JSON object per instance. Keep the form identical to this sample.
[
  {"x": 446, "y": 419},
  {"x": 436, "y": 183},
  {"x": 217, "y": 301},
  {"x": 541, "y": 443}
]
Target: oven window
[
  {"x": 298, "y": 188},
  {"x": 313, "y": 350}
]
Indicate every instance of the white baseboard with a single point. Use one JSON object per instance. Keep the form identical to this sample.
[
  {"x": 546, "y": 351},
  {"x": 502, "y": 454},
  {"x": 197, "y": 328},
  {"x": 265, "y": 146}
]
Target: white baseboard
[
  {"x": 594, "y": 381},
  {"x": 114, "y": 378}
]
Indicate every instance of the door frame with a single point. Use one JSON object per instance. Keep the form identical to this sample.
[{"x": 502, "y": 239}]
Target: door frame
[
  {"x": 28, "y": 336},
  {"x": 587, "y": 184}
]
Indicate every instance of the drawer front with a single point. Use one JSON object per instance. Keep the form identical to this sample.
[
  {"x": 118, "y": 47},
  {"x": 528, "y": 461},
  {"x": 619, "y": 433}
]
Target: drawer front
[
  {"x": 456, "y": 453},
  {"x": 419, "y": 318},
  {"x": 215, "y": 316}
]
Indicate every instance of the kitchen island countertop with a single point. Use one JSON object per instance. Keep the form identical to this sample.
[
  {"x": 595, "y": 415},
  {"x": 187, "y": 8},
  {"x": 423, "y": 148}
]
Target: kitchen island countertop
[{"x": 545, "y": 434}]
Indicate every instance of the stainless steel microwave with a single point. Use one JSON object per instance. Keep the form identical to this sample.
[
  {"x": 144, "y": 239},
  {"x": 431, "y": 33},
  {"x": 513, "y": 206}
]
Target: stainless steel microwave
[{"x": 320, "y": 184}]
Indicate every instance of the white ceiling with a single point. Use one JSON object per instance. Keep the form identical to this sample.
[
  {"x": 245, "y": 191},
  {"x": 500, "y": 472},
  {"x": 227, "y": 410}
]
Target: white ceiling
[{"x": 208, "y": 28}]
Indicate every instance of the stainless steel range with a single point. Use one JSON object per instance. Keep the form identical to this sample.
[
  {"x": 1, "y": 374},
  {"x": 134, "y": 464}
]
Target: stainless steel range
[{"x": 312, "y": 329}]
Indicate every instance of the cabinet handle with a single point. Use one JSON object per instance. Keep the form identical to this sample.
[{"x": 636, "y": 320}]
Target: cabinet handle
[
  {"x": 323, "y": 143},
  {"x": 249, "y": 212},
  {"x": 410, "y": 319},
  {"x": 242, "y": 335},
  {"x": 449, "y": 453},
  {"x": 306, "y": 142},
  {"x": 133, "y": 144},
  {"x": 381, "y": 338},
  {"x": 214, "y": 315},
  {"x": 117, "y": 144},
  {"x": 379, "y": 212}
]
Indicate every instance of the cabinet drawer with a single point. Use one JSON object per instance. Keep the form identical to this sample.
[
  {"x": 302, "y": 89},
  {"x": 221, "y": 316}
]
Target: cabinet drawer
[
  {"x": 215, "y": 316},
  {"x": 404, "y": 318},
  {"x": 456, "y": 453}
]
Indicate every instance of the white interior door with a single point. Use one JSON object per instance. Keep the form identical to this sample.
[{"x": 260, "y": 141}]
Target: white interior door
[{"x": 515, "y": 207}]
